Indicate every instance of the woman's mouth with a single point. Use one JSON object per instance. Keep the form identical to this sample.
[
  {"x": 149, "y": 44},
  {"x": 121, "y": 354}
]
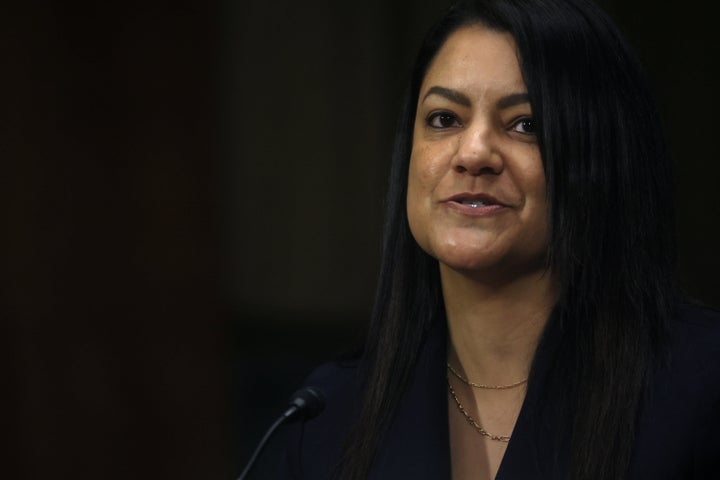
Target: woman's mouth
[{"x": 475, "y": 204}]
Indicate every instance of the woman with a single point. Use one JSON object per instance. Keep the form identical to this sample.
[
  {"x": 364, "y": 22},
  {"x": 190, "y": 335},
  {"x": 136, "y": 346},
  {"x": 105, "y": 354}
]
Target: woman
[{"x": 526, "y": 323}]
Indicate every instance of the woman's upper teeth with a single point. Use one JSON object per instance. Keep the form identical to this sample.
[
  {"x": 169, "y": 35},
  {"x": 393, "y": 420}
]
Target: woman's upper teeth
[{"x": 474, "y": 203}]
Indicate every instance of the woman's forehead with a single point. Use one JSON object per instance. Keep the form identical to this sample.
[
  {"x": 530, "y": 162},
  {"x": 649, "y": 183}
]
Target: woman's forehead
[{"x": 476, "y": 60}]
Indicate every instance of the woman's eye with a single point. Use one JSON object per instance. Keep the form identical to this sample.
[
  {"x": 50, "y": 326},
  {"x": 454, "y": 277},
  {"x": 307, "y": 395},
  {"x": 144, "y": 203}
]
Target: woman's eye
[
  {"x": 443, "y": 120},
  {"x": 525, "y": 126}
]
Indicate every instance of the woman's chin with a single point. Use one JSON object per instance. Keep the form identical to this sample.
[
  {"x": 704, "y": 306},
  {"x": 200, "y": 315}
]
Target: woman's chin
[
  {"x": 468, "y": 262},
  {"x": 491, "y": 265}
]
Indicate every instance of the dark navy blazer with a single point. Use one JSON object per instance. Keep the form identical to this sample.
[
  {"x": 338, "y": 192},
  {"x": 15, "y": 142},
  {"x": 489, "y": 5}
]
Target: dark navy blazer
[{"x": 678, "y": 435}]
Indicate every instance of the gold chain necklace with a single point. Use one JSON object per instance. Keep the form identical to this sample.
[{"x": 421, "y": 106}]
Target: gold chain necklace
[
  {"x": 479, "y": 385},
  {"x": 471, "y": 421}
]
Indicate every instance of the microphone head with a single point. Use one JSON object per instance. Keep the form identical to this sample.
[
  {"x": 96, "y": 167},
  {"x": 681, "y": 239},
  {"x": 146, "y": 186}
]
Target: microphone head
[{"x": 308, "y": 402}]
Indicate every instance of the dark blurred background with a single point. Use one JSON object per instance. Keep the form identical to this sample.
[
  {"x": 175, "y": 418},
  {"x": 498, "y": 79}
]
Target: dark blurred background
[{"x": 192, "y": 207}]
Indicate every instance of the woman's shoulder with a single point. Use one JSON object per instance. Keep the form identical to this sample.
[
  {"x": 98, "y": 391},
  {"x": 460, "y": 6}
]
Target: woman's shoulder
[
  {"x": 699, "y": 314},
  {"x": 339, "y": 384},
  {"x": 698, "y": 326},
  {"x": 676, "y": 433},
  {"x": 694, "y": 349},
  {"x": 313, "y": 447},
  {"x": 333, "y": 377}
]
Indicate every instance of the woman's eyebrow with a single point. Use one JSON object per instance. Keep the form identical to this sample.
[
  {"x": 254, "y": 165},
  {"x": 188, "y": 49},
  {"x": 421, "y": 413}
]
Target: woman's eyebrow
[
  {"x": 462, "y": 99},
  {"x": 513, "y": 100},
  {"x": 452, "y": 95}
]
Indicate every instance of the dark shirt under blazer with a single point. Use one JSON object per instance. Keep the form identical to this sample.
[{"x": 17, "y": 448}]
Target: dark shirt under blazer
[{"x": 678, "y": 435}]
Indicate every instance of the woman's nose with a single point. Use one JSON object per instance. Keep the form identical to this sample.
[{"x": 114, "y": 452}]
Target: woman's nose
[{"x": 477, "y": 153}]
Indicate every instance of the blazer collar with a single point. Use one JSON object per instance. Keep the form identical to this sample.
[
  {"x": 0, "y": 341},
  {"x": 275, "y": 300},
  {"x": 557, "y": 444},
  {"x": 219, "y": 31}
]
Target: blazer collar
[{"x": 417, "y": 443}]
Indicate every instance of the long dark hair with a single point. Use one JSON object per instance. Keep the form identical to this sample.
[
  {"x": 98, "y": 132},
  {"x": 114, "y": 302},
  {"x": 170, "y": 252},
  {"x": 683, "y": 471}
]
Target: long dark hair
[{"x": 611, "y": 241}]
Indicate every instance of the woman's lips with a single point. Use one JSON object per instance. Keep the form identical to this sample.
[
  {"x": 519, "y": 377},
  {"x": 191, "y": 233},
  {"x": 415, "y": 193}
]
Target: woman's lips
[{"x": 475, "y": 204}]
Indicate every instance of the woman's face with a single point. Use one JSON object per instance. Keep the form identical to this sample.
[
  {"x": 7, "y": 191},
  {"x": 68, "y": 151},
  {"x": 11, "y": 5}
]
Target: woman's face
[{"x": 476, "y": 187}]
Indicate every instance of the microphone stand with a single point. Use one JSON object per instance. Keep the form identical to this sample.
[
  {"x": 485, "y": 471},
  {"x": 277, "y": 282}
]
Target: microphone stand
[{"x": 305, "y": 403}]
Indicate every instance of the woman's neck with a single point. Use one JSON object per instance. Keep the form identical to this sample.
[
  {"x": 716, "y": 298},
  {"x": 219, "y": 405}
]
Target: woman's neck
[{"x": 494, "y": 329}]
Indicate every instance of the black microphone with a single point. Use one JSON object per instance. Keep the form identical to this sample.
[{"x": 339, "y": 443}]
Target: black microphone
[{"x": 305, "y": 404}]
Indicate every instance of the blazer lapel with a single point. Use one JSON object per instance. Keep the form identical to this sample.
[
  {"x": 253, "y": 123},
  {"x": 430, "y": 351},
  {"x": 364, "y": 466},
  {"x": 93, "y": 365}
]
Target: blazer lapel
[
  {"x": 532, "y": 452},
  {"x": 417, "y": 444}
]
